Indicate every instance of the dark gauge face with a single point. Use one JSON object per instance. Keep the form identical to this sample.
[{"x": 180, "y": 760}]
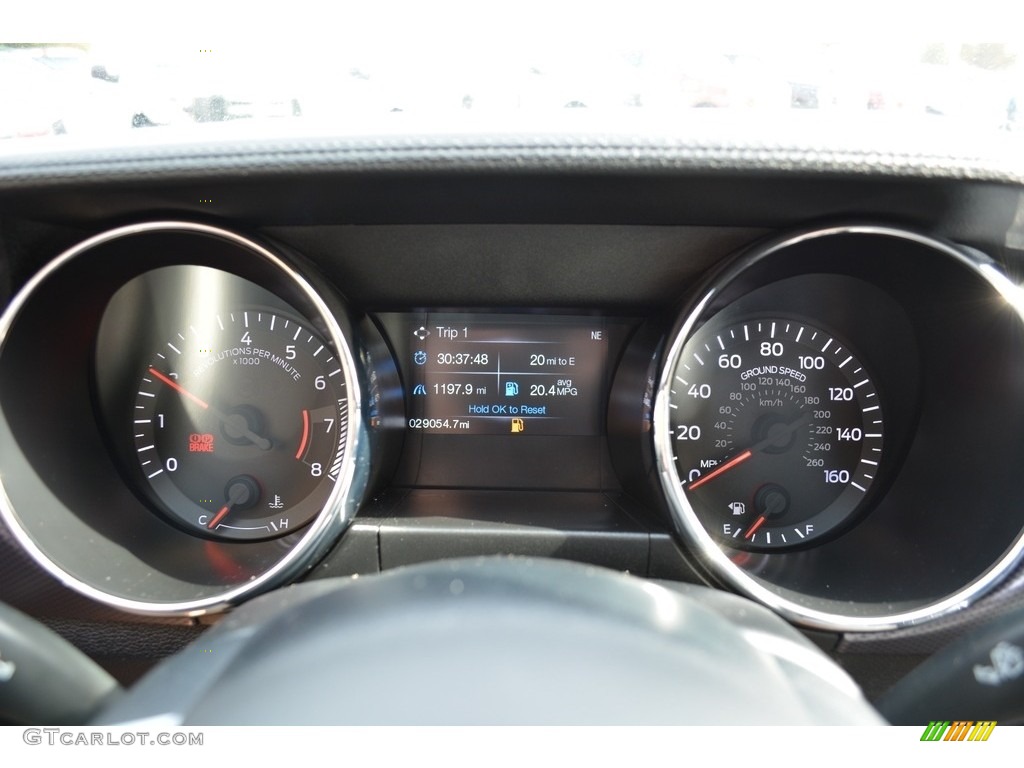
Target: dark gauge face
[
  {"x": 776, "y": 431},
  {"x": 239, "y": 424}
]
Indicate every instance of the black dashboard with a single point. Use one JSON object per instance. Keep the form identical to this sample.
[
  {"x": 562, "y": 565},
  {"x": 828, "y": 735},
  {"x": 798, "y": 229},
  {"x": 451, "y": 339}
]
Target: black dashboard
[{"x": 783, "y": 372}]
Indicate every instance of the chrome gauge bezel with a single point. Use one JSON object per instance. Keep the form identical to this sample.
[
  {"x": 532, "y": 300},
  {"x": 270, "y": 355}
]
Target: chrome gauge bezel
[
  {"x": 758, "y": 580},
  {"x": 130, "y": 571},
  {"x": 780, "y": 428}
]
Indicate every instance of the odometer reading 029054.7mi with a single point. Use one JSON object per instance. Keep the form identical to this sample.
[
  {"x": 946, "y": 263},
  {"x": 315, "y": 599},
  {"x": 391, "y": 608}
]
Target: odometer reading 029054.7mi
[{"x": 776, "y": 430}]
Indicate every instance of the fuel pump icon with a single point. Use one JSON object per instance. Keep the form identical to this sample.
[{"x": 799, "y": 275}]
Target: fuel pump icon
[{"x": 738, "y": 508}]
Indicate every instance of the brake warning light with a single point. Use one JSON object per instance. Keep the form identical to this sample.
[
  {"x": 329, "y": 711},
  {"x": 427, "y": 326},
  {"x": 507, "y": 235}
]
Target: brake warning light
[{"x": 200, "y": 442}]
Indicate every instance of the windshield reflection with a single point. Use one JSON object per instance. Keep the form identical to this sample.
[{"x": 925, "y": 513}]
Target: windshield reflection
[{"x": 107, "y": 90}]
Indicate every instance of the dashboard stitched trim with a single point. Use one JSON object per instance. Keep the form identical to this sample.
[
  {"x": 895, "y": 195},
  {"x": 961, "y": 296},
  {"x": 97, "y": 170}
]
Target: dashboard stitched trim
[{"x": 607, "y": 154}]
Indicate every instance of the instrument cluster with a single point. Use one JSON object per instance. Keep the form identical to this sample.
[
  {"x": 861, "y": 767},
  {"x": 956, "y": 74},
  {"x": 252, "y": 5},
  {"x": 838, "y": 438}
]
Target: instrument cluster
[{"x": 820, "y": 424}]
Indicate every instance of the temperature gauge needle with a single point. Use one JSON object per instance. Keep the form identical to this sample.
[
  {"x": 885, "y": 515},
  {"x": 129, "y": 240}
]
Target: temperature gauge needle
[
  {"x": 242, "y": 491},
  {"x": 735, "y": 461},
  {"x": 221, "y": 514}
]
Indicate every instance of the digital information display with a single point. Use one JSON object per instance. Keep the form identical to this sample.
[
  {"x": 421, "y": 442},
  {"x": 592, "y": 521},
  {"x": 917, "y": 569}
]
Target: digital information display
[{"x": 501, "y": 374}]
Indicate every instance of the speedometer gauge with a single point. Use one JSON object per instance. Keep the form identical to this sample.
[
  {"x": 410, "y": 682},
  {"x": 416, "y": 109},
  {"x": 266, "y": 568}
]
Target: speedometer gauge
[
  {"x": 791, "y": 427},
  {"x": 776, "y": 430}
]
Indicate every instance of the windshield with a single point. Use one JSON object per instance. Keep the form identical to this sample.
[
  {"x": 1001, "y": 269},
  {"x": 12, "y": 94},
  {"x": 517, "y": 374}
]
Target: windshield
[{"x": 456, "y": 65}]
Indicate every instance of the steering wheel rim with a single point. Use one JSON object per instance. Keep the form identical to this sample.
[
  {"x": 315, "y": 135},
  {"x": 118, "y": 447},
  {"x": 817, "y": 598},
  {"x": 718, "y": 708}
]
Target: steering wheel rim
[{"x": 497, "y": 641}]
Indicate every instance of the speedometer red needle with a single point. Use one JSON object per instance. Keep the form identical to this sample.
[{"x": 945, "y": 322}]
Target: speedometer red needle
[
  {"x": 720, "y": 470},
  {"x": 177, "y": 387}
]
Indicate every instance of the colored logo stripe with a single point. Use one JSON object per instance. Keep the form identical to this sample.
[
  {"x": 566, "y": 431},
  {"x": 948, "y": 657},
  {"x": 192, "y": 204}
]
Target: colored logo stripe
[
  {"x": 935, "y": 730},
  {"x": 959, "y": 730},
  {"x": 982, "y": 730}
]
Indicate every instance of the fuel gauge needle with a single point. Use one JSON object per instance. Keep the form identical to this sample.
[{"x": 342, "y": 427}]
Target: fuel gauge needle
[
  {"x": 753, "y": 529},
  {"x": 735, "y": 461}
]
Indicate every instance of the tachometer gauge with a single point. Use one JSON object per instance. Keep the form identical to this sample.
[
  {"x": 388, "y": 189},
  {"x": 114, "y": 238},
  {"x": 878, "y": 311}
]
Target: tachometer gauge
[
  {"x": 240, "y": 422},
  {"x": 776, "y": 430},
  {"x": 204, "y": 437}
]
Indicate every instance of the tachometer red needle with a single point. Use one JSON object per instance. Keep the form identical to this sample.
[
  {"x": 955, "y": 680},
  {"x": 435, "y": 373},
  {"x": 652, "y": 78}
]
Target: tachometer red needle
[
  {"x": 219, "y": 516},
  {"x": 753, "y": 529},
  {"x": 177, "y": 387},
  {"x": 720, "y": 470}
]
